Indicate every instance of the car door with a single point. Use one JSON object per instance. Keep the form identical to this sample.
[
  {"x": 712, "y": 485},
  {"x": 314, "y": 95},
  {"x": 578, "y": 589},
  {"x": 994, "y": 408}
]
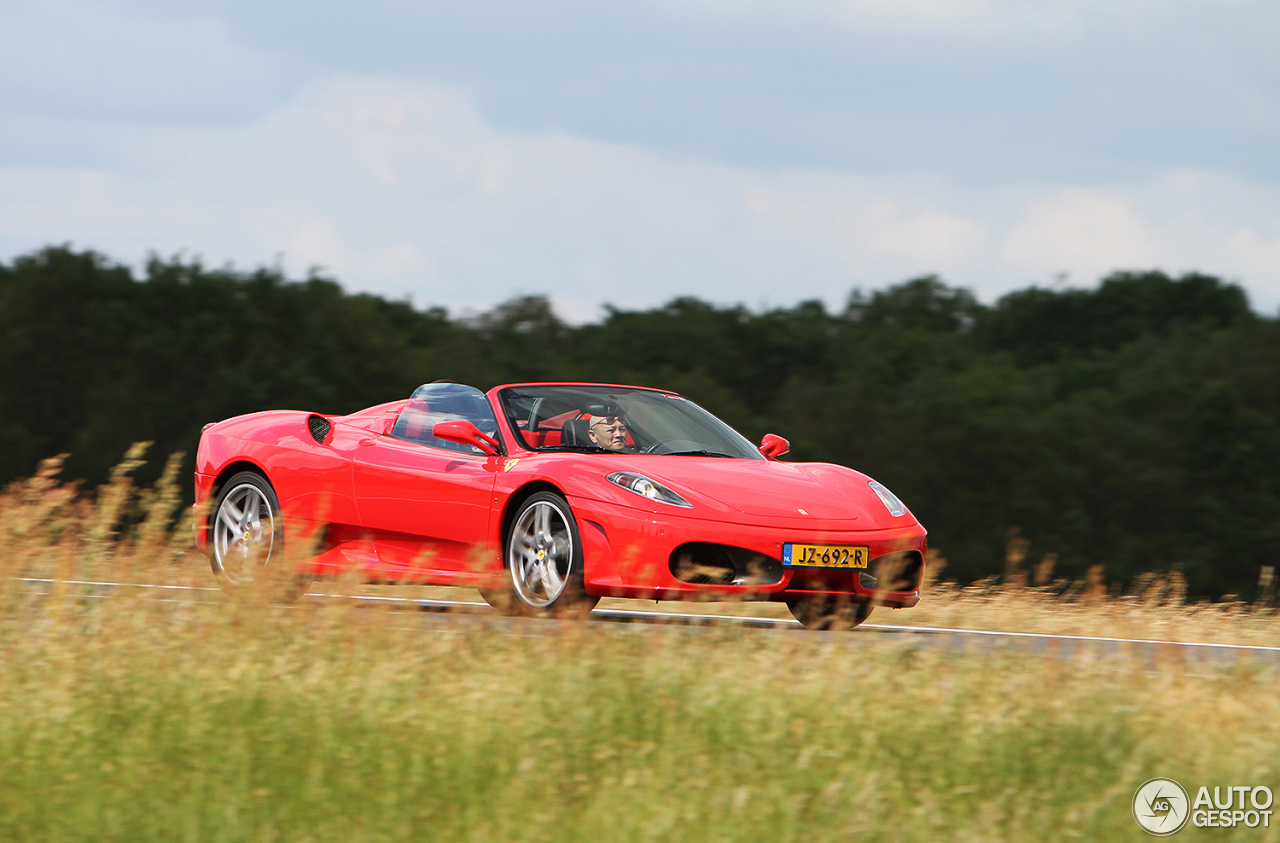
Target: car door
[{"x": 427, "y": 502}]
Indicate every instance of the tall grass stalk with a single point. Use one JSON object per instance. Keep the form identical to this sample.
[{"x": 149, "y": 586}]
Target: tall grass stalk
[{"x": 146, "y": 718}]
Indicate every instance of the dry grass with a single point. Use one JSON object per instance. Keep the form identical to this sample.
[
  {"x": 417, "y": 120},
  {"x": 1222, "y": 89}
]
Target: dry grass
[
  {"x": 144, "y": 718},
  {"x": 1155, "y": 608}
]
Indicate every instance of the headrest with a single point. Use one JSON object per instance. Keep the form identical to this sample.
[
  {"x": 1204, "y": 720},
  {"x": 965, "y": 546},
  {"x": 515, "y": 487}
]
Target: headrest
[{"x": 574, "y": 432}]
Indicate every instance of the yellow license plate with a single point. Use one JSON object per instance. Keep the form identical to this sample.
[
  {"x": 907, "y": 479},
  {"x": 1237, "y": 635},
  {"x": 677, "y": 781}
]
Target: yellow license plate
[{"x": 824, "y": 556}]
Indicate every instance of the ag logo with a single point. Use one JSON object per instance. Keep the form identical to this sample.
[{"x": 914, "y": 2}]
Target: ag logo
[{"x": 1161, "y": 807}]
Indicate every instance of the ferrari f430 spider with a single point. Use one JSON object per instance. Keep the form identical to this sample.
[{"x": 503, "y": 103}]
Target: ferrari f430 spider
[{"x": 548, "y": 496}]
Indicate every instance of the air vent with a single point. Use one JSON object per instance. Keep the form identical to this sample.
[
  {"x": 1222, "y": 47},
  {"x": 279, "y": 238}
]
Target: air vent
[
  {"x": 899, "y": 571},
  {"x": 700, "y": 562},
  {"x": 721, "y": 564},
  {"x": 320, "y": 428}
]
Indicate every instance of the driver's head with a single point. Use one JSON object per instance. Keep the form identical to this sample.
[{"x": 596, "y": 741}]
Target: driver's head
[{"x": 608, "y": 431}]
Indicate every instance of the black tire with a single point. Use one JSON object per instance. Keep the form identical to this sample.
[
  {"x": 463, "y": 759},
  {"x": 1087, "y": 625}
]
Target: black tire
[
  {"x": 246, "y": 533},
  {"x": 542, "y": 552},
  {"x": 828, "y": 612}
]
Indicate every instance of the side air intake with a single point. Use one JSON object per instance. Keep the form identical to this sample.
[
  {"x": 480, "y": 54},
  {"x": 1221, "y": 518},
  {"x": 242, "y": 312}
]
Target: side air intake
[
  {"x": 898, "y": 571},
  {"x": 319, "y": 427}
]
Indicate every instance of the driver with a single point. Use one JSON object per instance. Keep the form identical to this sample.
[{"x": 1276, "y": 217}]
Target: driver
[{"x": 609, "y": 430}]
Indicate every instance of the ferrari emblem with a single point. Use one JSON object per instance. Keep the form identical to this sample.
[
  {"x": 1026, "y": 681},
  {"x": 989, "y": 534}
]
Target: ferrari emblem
[
  {"x": 509, "y": 464},
  {"x": 542, "y": 555},
  {"x": 801, "y": 511}
]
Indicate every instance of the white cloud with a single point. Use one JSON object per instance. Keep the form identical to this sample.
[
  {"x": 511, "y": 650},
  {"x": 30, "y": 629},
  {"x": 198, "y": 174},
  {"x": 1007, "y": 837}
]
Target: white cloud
[
  {"x": 406, "y": 190},
  {"x": 867, "y": 221},
  {"x": 1258, "y": 256},
  {"x": 1086, "y": 231}
]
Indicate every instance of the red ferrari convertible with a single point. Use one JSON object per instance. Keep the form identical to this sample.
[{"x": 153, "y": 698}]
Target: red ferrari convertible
[{"x": 548, "y": 496}]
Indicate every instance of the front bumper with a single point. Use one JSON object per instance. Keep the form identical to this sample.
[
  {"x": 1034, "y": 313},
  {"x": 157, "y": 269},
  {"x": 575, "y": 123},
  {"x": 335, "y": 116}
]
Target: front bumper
[
  {"x": 200, "y": 511},
  {"x": 627, "y": 553}
]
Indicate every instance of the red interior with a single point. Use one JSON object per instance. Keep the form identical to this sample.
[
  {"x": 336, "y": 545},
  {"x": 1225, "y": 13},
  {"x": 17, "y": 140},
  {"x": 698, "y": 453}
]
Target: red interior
[{"x": 548, "y": 431}]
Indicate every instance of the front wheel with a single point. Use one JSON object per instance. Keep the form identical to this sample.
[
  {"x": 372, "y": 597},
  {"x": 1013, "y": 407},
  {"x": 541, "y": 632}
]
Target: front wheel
[
  {"x": 245, "y": 534},
  {"x": 828, "y": 612},
  {"x": 543, "y": 554}
]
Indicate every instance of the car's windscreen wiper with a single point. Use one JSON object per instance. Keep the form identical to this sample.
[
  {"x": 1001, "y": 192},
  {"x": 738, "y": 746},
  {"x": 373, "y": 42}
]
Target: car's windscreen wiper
[
  {"x": 582, "y": 449},
  {"x": 699, "y": 453}
]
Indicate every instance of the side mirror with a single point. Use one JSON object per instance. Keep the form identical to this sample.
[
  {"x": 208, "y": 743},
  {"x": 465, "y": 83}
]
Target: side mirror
[
  {"x": 465, "y": 432},
  {"x": 774, "y": 446}
]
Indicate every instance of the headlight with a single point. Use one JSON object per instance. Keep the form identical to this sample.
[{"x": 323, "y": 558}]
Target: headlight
[
  {"x": 646, "y": 488},
  {"x": 889, "y": 499}
]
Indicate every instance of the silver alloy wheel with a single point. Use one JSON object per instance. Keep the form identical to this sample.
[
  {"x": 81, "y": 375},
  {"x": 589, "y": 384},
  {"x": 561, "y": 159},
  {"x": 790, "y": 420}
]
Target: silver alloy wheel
[
  {"x": 244, "y": 533},
  {"x": 540, "y": 554}
]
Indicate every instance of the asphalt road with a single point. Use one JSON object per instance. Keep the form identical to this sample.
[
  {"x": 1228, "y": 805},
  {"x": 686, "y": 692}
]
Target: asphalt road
[{"x": 466, "y": 615}]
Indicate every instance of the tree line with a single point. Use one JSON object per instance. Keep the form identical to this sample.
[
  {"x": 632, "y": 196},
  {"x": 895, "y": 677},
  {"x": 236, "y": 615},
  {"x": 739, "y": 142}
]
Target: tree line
[{"x": 1134, "y": 426}]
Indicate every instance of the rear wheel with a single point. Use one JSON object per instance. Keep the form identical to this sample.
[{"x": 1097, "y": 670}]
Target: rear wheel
[
  {"x": 245, "y": 534},
  {"x": 828, "y": 611},
  {"x": 543, "y": 555}
]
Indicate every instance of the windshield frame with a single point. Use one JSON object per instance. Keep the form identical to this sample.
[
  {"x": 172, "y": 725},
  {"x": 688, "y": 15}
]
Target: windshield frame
[{"x": 736, "y": 446}]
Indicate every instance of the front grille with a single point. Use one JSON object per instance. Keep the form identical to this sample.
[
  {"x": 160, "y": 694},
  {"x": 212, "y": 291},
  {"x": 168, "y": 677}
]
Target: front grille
[
  {"x": 319, "y": 428},
  {"x": 897, "y": 571},
  {"x": 722, "y": 564},
  {"x": 700, "y": 562}
]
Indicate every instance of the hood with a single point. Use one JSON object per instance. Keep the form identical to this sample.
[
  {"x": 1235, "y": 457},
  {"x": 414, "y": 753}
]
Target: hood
[{"x": 768, "y": 489}]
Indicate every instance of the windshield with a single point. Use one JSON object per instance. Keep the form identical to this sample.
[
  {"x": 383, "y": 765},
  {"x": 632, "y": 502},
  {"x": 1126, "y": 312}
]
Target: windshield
[{"x": 606, "y": 419}]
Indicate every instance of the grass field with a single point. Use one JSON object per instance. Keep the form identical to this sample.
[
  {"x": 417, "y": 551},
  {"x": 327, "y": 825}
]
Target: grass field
[{"x": 140, "y": 718}]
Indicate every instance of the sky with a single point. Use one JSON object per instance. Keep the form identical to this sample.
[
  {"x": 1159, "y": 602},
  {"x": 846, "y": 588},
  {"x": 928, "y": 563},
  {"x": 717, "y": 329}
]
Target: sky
[{"x": 759, "y": 152}]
